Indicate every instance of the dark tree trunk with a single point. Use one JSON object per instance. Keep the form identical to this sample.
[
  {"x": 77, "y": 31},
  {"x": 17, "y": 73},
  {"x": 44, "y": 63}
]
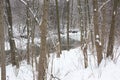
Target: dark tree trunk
[
  {"x": 2, "y": 46},
  {"x": 58, "y": 23},
  {"x": 10, "y": 32},
  {"x": 96, "y": 32},
  {"x": 112, "y": 31},
  {"x": 28, "y": 32},
  {"x": 68, "y": 44}
]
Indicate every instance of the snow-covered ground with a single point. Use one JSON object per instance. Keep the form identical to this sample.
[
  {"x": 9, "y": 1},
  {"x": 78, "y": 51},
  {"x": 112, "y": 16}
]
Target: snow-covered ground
[{"x": 69, "y": 67}]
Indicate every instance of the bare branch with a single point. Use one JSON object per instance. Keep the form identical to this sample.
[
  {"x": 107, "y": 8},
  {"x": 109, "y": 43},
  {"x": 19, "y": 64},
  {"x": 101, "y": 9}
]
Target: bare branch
[
  {"x": 103, "y": 5},
  {"x": 25, "y": 3},
  {"x": 32, "y": 12}
]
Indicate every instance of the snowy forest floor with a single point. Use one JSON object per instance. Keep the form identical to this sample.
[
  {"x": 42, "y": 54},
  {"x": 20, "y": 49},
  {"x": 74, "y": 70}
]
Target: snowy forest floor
[{"x": 69, "y": 67}]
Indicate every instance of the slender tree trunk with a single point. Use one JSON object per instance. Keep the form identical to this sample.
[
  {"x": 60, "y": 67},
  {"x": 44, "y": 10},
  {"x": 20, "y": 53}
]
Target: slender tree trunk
[
  {"x": 2, "y": 46},
  {"x": 81, "y": 21},
  {"x": 71, "y": 14},
  {"x": 89, "y": 25},
  {"x": 112, "y": 31},
  {"x": 88, "y": 12},
  {"x": 28, "y": 32},
  {"x": 85, "y": 38},
  {"x": 85, "y": 55},
  {"x": 85, "y": 18},
  {"x": 10, "y": 32},
  {"x": 33, "y": 50},
  {"x": 96, "y": 32},
  {"x": 33, "y": 45},
  {"x": 83, "y": 32},
  {"x": 103, "y": 28},
  {"x": 68, "y": 44},
  {"x": 43, "y": 29},
  {"x": 58, "y": 23}
]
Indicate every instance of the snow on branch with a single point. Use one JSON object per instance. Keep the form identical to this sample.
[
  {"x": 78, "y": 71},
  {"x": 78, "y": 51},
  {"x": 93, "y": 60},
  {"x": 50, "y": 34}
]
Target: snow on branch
[
  {"x": 25, "y": 3},
  {"x": 32, "y": 12},
  {"x": 103, "y": 5},
  {"x": 34, "y": 15},
  {"x": 98, "y": 40},
  {"x": 67, "y": 0}
]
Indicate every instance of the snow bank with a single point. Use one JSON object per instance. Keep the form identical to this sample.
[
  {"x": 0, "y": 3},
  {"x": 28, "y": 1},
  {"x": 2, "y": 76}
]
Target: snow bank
[{"x": 69, "y": 67}]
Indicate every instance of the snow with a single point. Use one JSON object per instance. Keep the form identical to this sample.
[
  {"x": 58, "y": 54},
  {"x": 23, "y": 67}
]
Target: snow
[
  {"x": 114, "y": 13},
  {"x": 99, "y": 42},
  {"x": 97, "y": 36},
  {"x": 7, "y": 46},
  {"x": 23, "y": 2},
  {"x": 69, "y": 67},
  {"x": 67, "y": 0},
  {"x": 95, "y": 9},
  {"x": 23, "y": 73}
]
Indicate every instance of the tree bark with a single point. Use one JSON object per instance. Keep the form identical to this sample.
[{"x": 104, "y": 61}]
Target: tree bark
[
  {"x": 43, "y": 29},
  {"x": 103, "y": 28},
  {"x": 68, "y": 25},
  {"x": 85, "y": 37},
  {"x": 96, "y": 33},
  {"x": 2, "y": 46},
  {"x": 10, "y": 32},
  {"x": 28, "y": 32},
  {"x": 112, "y": 31},
  {"x": 80, "y": 21},
  {"x": 58, "y": 23}
]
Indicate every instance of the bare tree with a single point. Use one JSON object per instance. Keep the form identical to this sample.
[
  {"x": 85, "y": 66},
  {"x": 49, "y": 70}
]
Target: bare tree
[
  {"x": 96, "y": 32},
  {"x": 80, "y": 20},
  {"x": 68, "y": 7},
  {"x": 10, "y": 32},
  {"x": 103, "y": 27},
  {"x": 2, "y": 46},
  {"x": 33, "y": 36},
  {"x": 85, "y": 36},
  {"x": 43, "y": 53},
  {"x": 112, "y": 30},
  {"x": 71, "y": 13},
  {"x": 28, "y": 31},
  {"x": 58, "y": 23},
  {"x": 83, "y": 29}
]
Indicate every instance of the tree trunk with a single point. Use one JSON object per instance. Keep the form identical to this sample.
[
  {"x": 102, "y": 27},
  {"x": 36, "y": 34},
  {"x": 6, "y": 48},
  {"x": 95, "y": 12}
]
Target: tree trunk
[
  {"x": 96, "y": 32},
  {"x": 28, "y": 32},
  {"x": 71, "y": 14},
  {"x": 68, "y": 25},
  {"x": 85, "y": 38},
  {"x": 81, "y": 20},
  {"x": 10, "y": 32},
  {"x": 2, "y": 46},
  {"x": 58, "y": 23},
  {"x": 43, "y": 29},
  {"x": 112, "y": 31},
  {"x": 103, "y": 28}
]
